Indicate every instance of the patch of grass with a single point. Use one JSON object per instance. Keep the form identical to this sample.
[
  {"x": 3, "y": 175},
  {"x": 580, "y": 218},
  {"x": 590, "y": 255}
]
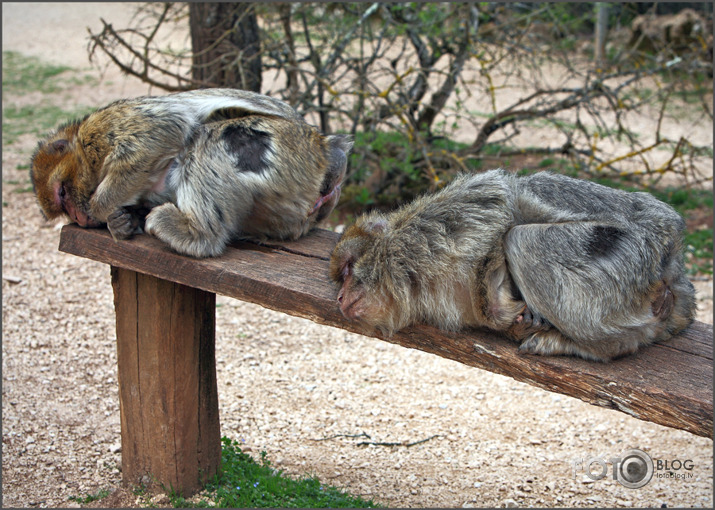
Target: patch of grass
[
  {"x": 139, "y": 490},
  {"x": 90, "y": 497},
  {"x": 245, "y": 483},
  {"x": 26, "y": 189},
  {"x": 35, "y": 119},
  {"x": 699, "y": 251},
  {"x": 22, "y": 74}
]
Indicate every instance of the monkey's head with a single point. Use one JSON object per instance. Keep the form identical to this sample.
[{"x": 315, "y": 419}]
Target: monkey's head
[
  {"x": 372, "y": 290},
  {"x": 59, "y": 183},
  {"x": 338, "y": 148}
]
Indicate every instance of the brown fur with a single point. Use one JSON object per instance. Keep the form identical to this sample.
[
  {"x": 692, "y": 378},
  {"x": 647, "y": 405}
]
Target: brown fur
[{"x": 209, "y": 166}]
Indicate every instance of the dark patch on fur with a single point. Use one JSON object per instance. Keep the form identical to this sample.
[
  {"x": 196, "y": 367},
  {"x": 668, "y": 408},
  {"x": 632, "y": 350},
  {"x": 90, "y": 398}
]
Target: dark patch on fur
[
  {"x": 515, "y": 291},
  {"x": 219, "y": 213},
  {"x": 248, "y": 146},
  {"x": 603, "y": 240}
]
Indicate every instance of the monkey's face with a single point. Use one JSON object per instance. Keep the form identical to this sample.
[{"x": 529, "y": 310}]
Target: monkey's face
[
  {"x": 58, "y": 182},
  {"x": 363, "y": 295}
]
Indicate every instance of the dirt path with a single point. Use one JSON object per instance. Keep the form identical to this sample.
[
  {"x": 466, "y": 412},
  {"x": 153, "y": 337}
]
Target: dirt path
[{"x": 284, "y": 383}]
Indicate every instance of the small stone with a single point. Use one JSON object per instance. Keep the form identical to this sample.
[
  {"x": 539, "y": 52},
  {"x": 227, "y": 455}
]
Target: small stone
[{"x": 160, "y": 499}]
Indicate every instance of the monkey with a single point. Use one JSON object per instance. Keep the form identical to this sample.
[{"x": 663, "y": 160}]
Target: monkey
[
  {"x": 195, "y": 169},
  {"x": 561, "y": 265}
]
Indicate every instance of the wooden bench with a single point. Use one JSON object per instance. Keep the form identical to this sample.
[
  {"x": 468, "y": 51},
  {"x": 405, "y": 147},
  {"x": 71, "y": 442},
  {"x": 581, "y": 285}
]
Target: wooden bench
[{"x": 165, "y": 309}]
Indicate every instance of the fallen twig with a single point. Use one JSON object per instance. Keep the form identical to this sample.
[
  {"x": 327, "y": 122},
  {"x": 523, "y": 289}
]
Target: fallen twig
[
  {"x": 402, "y": 443},
  {"x": 342, "y": 435}
]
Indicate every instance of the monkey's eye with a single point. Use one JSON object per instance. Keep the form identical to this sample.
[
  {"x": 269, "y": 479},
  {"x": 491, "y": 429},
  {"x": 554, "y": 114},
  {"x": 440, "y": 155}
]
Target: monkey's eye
[
  {"x": 62, "y": 191},
  {"x": 347, "y": 268}
]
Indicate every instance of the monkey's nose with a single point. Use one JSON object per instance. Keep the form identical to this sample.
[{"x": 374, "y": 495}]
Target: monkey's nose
[{"x": 340, "y": 297}]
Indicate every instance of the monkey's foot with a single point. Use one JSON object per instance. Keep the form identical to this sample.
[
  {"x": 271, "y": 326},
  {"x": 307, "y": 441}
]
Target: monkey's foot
[
  {"x": 663, "y": 300},
  {"x": 554, "y": 343},
  {"x": 185, "y": 234},
  {"x": 527, "y": 323}
]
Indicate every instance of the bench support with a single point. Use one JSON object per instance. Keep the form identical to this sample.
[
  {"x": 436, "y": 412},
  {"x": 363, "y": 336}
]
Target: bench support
[
  {"x": 165, "y": 332},
  {"x": 167, "y": 381}
]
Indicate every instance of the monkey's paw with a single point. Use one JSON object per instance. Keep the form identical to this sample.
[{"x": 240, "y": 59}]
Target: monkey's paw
[
  {"x": 554, "y": 343},
  {"x": 663, "y": 301},
  {"x": 527, "y": 323},
  {"x": 185, "y": 234},
  {"x": 123, "y": 224},
  {"x": 543, "y": 344}
]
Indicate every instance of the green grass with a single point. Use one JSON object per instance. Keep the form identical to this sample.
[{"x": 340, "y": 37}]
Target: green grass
[
  {"x": 91, "y": 497},
  {"x": 22, "y": 75},
  {"x": 35, "y": 119},
  {"x": 245, "y": 483}
]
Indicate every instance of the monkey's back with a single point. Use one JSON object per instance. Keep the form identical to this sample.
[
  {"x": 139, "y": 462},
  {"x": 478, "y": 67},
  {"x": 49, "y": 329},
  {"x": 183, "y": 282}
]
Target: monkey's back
[
  {"x": 251, "y": 175},
  {"x": 590, "y": 258}
]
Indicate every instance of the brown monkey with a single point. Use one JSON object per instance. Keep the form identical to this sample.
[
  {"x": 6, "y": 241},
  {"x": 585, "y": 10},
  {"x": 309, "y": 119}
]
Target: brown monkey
[
  {"x": 204, "y": 166},
  {"x": 563, "y": 265}
]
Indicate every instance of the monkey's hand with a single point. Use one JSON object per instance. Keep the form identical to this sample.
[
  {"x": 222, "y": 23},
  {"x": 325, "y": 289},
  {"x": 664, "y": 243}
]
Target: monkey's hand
[
  {"x": 125, "y": 222},
  {"x": 526, "y": 324}
]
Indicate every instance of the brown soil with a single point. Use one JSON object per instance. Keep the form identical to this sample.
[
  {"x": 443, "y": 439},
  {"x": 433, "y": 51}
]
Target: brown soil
[{"x": 284, "y": 383}]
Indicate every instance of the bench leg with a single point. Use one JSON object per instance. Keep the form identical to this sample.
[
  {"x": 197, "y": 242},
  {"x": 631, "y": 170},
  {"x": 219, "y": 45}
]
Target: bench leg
[{"x": 167, "y": 381}]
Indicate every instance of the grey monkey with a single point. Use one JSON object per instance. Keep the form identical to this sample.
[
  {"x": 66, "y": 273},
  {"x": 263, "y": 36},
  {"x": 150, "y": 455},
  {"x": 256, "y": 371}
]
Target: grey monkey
[
  {"x": 562, "y": 265},
  {"x": 204, "y": 166}
]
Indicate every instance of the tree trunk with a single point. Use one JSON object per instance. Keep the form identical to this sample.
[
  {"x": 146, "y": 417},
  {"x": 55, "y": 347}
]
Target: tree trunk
[
  {"x": 601, "y": 30},
  {"x": 226, "y": 45}
]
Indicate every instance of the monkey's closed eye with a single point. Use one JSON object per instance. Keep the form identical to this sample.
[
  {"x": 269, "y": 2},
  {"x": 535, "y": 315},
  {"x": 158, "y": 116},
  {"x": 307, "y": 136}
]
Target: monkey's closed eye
[{"x": 347, "y": 268}]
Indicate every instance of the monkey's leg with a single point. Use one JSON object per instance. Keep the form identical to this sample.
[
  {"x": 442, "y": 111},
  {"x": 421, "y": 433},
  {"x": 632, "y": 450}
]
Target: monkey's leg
[
  {"x": 189, "y": 234},
  {"x": 593, "y": 283}
]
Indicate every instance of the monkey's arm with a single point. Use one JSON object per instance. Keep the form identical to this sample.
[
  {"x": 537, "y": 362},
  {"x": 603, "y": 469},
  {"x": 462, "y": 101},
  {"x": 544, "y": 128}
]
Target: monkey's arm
[{"x": 124, "y": 185}]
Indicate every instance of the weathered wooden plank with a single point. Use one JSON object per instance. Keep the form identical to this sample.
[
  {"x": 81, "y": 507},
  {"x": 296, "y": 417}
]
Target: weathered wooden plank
[
  {"x": 669, "y": 383},
  {"x": 167, "y": 381}
]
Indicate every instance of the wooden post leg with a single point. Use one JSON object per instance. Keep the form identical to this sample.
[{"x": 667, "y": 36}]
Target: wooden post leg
[{"x": 167, "y": 381}]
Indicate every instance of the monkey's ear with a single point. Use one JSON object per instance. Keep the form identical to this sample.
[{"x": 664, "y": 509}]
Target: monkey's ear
[
  {"x": 377, "y": 225},
  {"x": 342, "y": 142},
  {"x": 58, "y": 147}
]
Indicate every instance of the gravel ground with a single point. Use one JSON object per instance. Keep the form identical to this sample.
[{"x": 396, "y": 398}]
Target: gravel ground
[{"x": 284, "y": 383}]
